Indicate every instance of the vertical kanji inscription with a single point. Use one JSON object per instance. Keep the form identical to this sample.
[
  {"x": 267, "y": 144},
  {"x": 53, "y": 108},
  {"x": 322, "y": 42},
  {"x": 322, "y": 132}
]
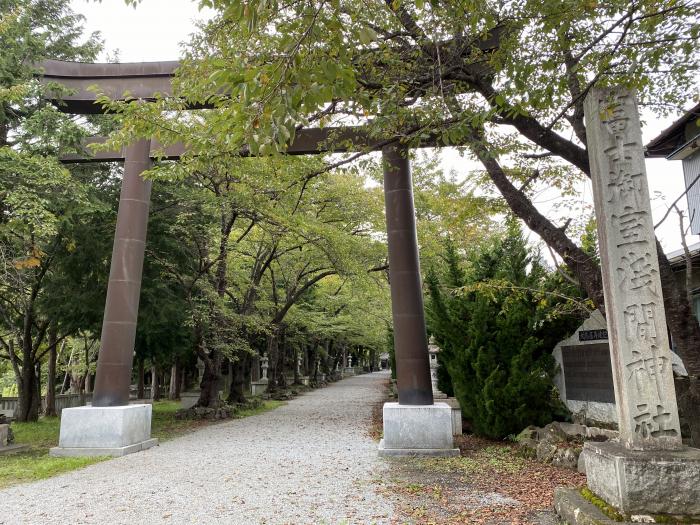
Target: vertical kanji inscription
[{"x": 640, "y": 352}]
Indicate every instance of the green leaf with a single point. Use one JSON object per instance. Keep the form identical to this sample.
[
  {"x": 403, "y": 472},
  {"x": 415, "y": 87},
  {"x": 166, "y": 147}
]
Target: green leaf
[{"x": 367, "y": 35}]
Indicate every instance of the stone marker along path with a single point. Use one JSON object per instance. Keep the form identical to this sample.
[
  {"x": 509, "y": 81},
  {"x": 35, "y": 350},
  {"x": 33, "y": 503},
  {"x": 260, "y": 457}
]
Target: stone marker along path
[{"x": 308, "y": 462}]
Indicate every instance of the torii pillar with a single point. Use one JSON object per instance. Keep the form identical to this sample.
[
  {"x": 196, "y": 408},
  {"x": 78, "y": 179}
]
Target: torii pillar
[
  {"x": 111, "y": 426},
  {"x": 415, "y": 425}
]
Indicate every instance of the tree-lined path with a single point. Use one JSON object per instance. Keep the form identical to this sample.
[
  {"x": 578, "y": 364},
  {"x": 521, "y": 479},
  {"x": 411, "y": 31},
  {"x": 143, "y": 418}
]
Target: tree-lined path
[{"x": 310, "y": 461}]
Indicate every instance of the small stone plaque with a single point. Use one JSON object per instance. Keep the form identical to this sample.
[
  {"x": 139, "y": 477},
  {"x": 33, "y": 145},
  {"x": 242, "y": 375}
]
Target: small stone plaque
[
  {"x": 588, "y": 373},
  {"x": 593, "y": 335}
]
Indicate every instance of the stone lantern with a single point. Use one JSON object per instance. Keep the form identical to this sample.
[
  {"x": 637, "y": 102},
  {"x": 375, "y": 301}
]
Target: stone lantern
[
  {"x": 433, "y": 351},
  {"x": 349, "y": 370},
  {"x": 259, "y": 386},
  {"x": 264, "y": 364}
]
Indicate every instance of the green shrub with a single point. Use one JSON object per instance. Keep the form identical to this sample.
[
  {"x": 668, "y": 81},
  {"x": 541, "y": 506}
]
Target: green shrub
[{"x": 496, "y": 315}]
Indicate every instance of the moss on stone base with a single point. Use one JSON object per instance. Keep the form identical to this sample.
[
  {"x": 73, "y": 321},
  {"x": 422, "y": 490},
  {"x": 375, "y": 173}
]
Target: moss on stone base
[
  {"x": 613, "y": 514},
  {"x": 605, "y": 508}
]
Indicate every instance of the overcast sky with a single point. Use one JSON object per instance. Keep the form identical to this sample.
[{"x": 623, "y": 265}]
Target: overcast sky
[{"x": 156, "y": 30}]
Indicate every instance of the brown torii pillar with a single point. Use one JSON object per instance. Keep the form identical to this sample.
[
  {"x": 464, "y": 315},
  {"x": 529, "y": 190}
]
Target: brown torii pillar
[
  {"x": 415, "y": 425},
  {"x": 115, "y": 359},
  {"x": 111, "y": 426},
  {"x": 410, "y": 341}
]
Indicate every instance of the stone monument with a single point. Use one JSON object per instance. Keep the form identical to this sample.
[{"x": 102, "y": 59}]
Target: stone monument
[
  {"x": 190, "y": 398},
  {"x": 649, "y": 471},
  {"x": 584, "y": 374},
  {"x": 259, "y": 386},
  {"x": 7, "y": 444},
  {"x": 349, "y": 370}
]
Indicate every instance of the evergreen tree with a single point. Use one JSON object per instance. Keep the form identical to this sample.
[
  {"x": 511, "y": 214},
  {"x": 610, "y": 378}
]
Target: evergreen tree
[{"x": 496, "y": 321}]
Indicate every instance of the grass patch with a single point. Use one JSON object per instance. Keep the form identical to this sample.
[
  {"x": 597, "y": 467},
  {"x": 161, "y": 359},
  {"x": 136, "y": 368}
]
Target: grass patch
[
  {"x": 35, "y": 463},
  {"x": 33, "y": 466},
  {"x": 266, "y": 406},
  {"x": 165, "y": 427},
  {"x": 499, "y": 459}
]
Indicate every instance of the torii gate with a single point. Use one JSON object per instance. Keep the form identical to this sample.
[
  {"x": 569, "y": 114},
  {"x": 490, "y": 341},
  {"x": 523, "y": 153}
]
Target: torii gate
[{"x": 111, "y": 426}]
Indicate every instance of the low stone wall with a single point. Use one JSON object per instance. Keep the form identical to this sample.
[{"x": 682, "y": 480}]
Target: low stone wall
[{"x": 8, "y": 405}]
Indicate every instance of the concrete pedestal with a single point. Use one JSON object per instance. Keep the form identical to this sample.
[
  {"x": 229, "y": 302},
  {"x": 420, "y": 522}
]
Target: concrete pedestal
[
  {"x": 644, "y": 482},
  {"x": 188, "y": 399},
  {"x": 258, "y": 387},
  {"x": 424, "y": 430},
  {"x": 349, "y": 371},
  {"x": 453, "y": 403},
  {"x": 104, "y": 431}
]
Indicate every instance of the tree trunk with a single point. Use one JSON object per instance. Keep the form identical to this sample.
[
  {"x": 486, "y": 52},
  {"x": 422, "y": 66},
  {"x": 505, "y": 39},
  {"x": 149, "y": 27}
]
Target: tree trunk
[
  {"x": 236, "y": 392},
  {"x": 582, "y": 265},
  {"x": 141, "y": 391},
  {"x": 26, "y": 375},
  {"x": 209, "y": 387},
  {"x": 181, "y": 382},
  {"x": 155, "y": 384},
  {"x": 248, "y": 371},
  {"x": 50, "y": 410},
  {"x": 297, "y": 366},
  {"x": 174, "y": 393},
  {"x": 281, "y": 362},
  {"x": 314, "y": 362},
  {"x": 273, "y": 358},
  {"x": 28, "y": 390}
]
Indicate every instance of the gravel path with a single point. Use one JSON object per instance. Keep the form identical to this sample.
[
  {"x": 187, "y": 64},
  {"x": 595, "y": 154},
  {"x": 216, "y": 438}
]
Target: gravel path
[{"x": 308, "y": 462}]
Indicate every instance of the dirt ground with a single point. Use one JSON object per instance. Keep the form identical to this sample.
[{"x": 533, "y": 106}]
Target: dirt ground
[{"x": 490, "y": 483}]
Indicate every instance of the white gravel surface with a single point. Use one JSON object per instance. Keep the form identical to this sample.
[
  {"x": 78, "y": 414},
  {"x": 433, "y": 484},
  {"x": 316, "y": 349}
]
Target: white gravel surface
[{"x": 308, "y": 462}]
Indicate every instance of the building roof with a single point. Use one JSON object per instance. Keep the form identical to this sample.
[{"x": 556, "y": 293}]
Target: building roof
[
  {"x": 677, "y": 257},
  {"x": 673, "y": 137}
]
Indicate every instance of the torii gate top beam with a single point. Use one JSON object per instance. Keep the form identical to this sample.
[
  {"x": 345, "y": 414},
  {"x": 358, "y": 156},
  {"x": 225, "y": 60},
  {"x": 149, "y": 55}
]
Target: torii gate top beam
[
  {"x": 146, "y": 80},
  {"x": 142, "y": 80}
]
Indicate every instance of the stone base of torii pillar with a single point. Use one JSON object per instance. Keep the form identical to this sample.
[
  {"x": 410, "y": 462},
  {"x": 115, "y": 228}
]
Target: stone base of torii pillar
[
  {"x": 104, "y": 431},
  {"x": 417, "y": 430}
]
